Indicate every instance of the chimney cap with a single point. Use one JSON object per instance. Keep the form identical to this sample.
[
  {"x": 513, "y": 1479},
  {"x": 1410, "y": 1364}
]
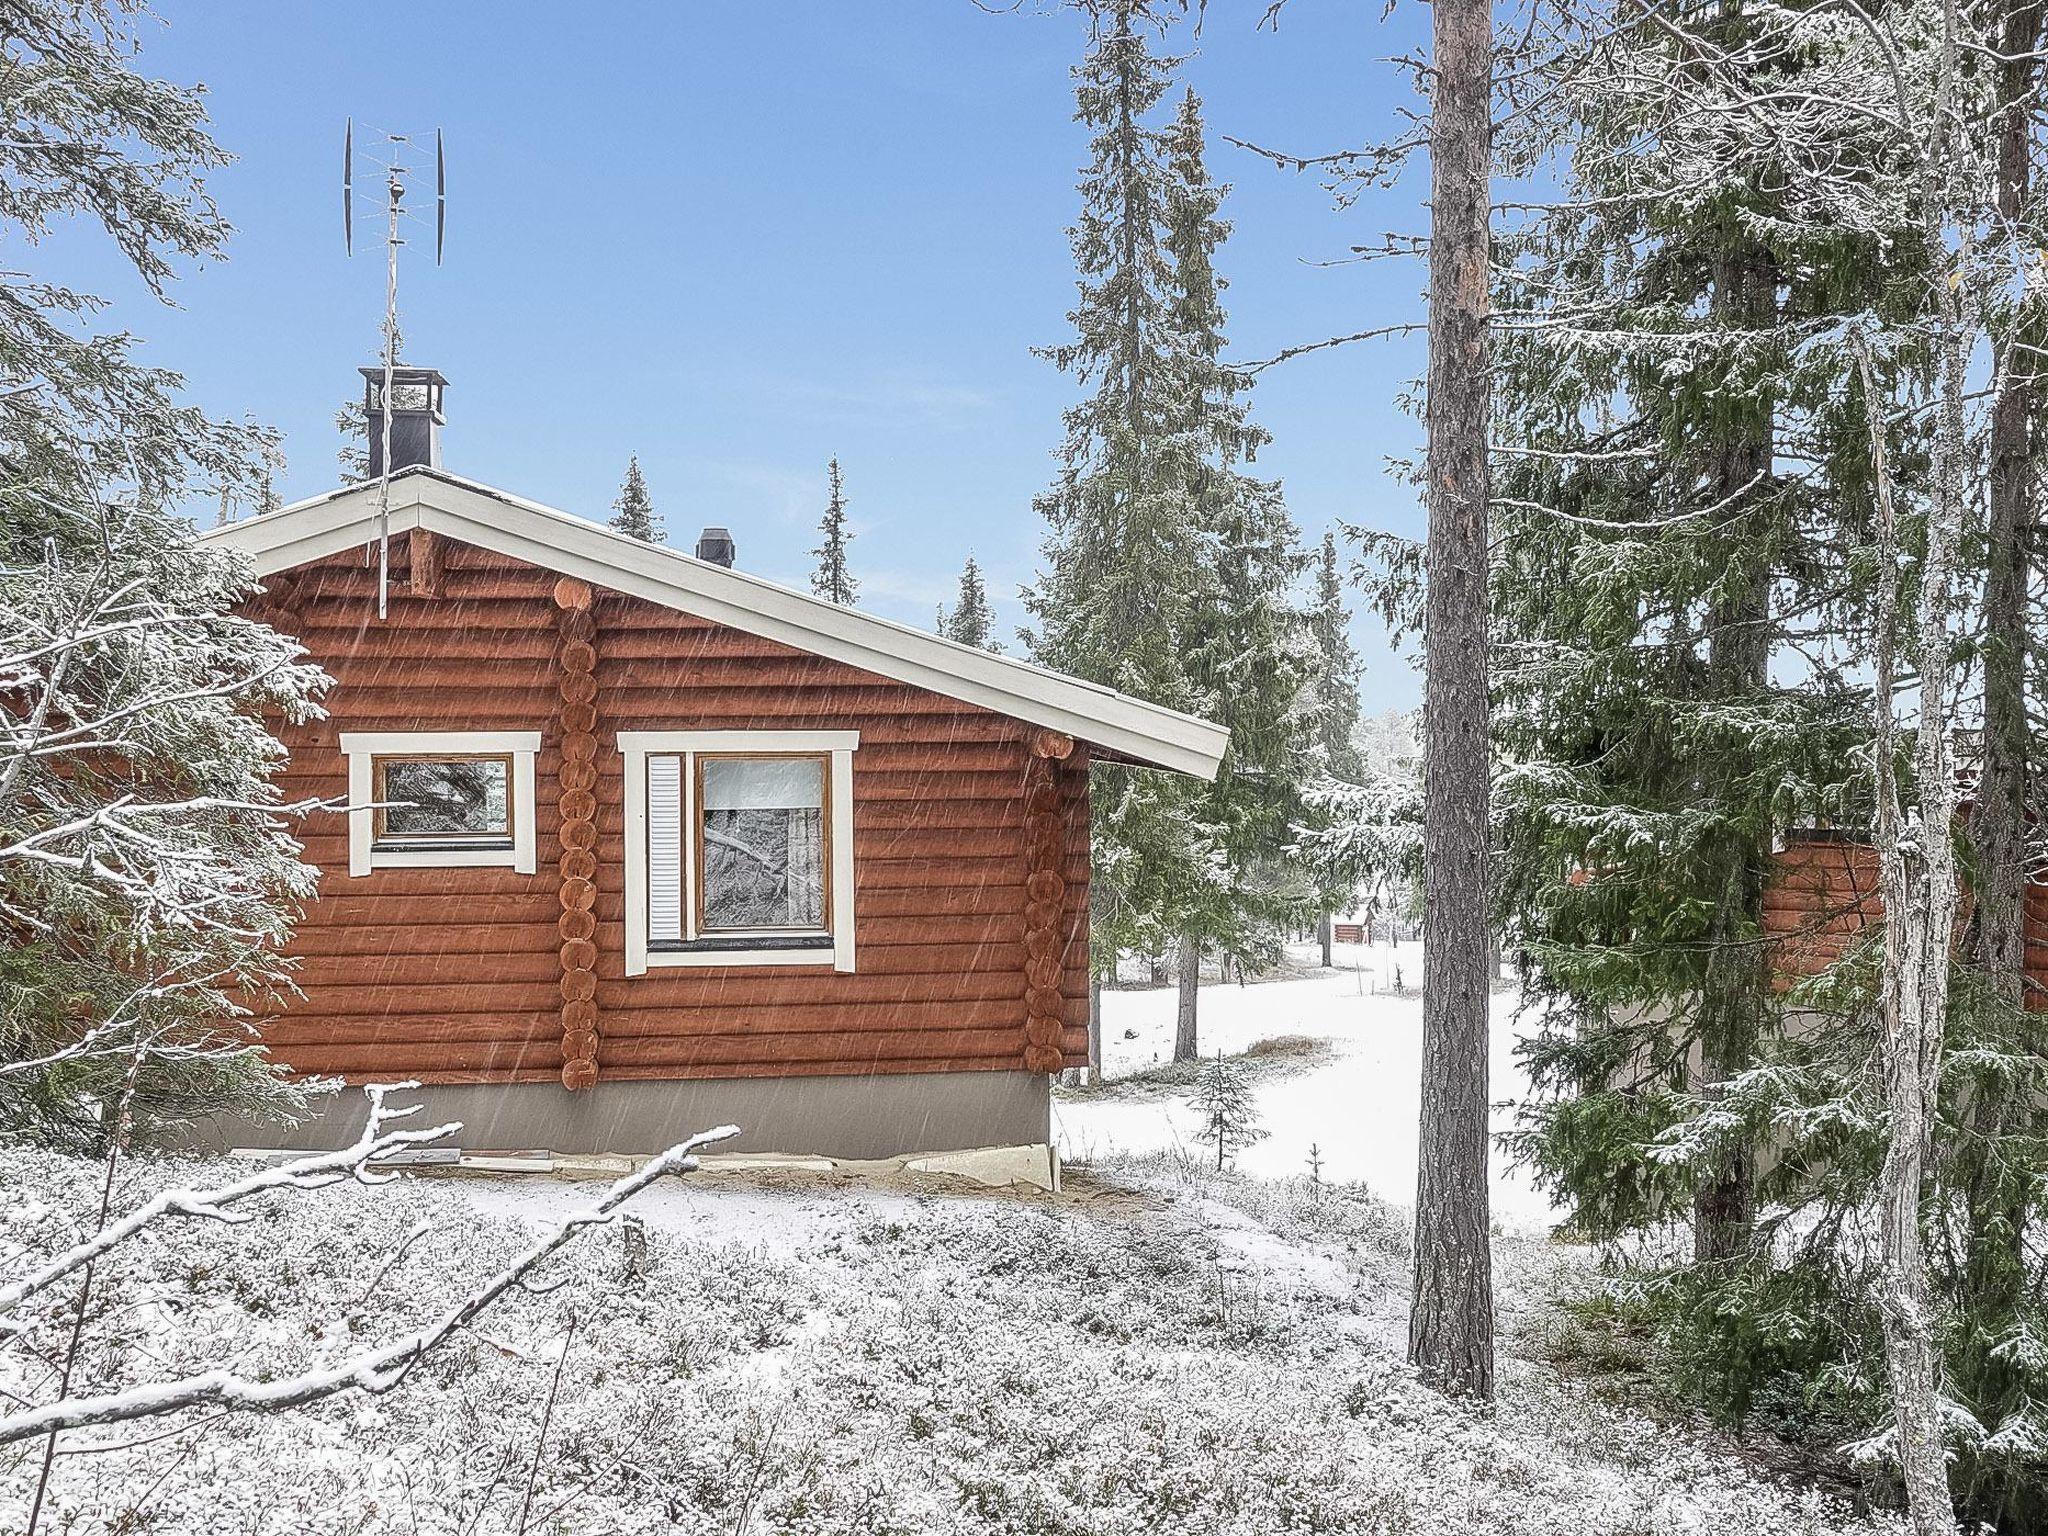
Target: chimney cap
[
  {"x": 404, "y": 373},
  {"x": 716, "y": 546}
]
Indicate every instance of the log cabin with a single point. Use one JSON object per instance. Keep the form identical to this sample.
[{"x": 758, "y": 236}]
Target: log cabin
[{"x": 636, "y": 843}]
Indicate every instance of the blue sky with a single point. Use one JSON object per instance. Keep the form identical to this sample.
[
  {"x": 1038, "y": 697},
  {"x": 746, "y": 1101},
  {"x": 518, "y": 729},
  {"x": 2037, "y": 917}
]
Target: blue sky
[{"x": 739, "y": 240}]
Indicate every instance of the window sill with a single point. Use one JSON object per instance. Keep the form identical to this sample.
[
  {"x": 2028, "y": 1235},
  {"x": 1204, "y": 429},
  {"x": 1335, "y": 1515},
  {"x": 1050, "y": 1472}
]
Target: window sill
[
  {"x": 444, "y": 858},
  {"x": 821, "y": 955}
]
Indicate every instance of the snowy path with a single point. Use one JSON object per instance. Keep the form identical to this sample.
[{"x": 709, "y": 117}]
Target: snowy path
[{"x": 1357, "y": 1106}]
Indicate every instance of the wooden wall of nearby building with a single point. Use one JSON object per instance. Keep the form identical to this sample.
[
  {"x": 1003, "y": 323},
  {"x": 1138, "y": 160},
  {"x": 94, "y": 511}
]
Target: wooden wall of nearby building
[
  {"x": 1824, "y": 894},
  {"x": 463, "y": 975}
]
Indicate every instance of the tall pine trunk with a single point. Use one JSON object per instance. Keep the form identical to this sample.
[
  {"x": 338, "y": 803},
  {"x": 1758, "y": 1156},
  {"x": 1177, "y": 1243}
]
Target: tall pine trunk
[
  {"x": 1997, "y": 1227},
  {"x": 1734, "y": 985},
  {"x": 1185, "y": 1047},
  {"x": 1326, "y": 933},
  {"x": 1450, "y": 1321}
]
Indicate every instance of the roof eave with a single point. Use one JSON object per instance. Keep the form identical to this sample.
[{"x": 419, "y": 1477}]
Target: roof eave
[{"x": 479, "y": 514}]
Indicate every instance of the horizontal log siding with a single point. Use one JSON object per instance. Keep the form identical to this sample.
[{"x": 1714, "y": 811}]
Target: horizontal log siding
[
  {"x": 1823, "y": 898},
  {"x": 452, "y": 975}
]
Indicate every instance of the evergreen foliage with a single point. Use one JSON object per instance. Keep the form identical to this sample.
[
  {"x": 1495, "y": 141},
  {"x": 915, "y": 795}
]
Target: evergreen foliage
[
  {"x": 633, "y": 512},
  {"x": 1168, "y": 568},
  {"x": 972, "y": 621},
  {"x": 1250, "y": 648},
  {"x": 1687, "y": 592},
  {"x": 1227, "y": 1116},
  {"x": 146, "y": 874},
  {"x": 1337, "y": 668},
  {"x": 832, "y": 579}
]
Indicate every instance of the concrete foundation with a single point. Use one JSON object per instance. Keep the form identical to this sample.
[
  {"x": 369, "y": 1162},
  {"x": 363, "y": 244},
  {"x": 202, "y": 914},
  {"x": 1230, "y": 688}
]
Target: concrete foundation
[{"x": 884, "y": 1116}]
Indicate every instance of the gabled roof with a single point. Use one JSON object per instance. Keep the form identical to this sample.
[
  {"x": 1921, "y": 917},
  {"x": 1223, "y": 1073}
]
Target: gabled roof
[{"x": 473, "y": 513}]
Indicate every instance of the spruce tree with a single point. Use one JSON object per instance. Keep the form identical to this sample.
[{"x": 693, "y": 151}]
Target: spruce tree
[
  {"x": 1334, "y": 706},
  {"x": 1227, "y": 1116},
  {"x": 832, "y": 579},
  {"x": 147, "y": 878},
  {"x": 1658, "y": 557},
  {"x": 972, "y": 621},
  {"x": 1124, "y": 560},
  {"x": 1691, "y": 593},
  {"x": 1337, "y": 668},
  {"x": 353, "y": 423},
  {"x": 1249, "y": 646},
  {"x": 633, "y": 512}
]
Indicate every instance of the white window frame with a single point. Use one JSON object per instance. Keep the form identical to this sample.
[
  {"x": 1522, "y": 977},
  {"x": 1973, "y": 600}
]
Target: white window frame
[
  {"x": 637, "y": 746},
  {"x": 362, "y": 748}
]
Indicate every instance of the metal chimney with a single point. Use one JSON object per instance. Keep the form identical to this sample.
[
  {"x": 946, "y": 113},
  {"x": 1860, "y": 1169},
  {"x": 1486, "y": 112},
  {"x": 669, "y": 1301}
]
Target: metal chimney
[
  {"x": 716, "y": 546},
  {"x": 416, "y": 418}
]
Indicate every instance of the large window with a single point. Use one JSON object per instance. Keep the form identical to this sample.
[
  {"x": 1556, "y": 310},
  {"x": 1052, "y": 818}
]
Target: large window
[
  {"x": 440, "y": 798},
  {"x": 739, "y": 848}
]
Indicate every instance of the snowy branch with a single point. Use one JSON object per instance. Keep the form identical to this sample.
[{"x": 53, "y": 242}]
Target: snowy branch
[{"x": 375, "y": 1370}]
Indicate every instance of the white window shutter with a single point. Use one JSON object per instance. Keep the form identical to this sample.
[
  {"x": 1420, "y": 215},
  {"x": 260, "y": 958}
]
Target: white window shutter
[{"x": 664, "y": 849}]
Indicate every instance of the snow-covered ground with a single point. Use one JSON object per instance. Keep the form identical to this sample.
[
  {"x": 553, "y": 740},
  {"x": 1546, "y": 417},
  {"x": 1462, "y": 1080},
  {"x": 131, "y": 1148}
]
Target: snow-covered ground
[
  {"x": 1158, "y": 1349},
  {"x": 1356, "y": 1104}
]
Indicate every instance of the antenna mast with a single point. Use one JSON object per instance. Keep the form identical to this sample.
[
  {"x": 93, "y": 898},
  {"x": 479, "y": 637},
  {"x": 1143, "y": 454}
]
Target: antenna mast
[{"x": 394, "y": 189}]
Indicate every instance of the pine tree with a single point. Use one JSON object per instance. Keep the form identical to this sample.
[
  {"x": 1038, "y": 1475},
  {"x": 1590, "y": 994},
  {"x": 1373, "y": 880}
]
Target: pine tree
[
  {"x": 1227, "y": 1115},
  {"x": 832, "y": 580},
  {"x": 633, "y": 512},
  {"x": 1124, "y": 560},
  {"x": 147, "y": 880},
  {"x": 972, "y": 621}
]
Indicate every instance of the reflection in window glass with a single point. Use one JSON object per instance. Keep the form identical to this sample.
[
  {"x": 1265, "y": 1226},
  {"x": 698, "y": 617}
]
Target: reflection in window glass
[
  {"x": 764, "y": 842},
  {"x": 446, "y": 797}
]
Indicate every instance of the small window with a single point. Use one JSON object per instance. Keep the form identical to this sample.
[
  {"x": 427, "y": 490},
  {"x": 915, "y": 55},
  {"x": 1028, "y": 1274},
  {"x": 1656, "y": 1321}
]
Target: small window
[
  {"x": 739, "y": 848},
  {"x": 420, "y": 798},
  {"x": 441, "y": 802},
  {"x": 761, "y": 844}
]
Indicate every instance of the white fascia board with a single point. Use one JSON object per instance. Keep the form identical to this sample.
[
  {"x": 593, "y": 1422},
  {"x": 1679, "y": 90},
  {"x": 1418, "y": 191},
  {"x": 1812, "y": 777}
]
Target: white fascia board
[{"x": 554, "y": 540}]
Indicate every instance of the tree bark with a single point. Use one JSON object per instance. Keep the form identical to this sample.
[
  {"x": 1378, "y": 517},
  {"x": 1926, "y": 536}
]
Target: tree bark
[
  {"x": 1184, "y": 1044},
  {"x": 1998, "y": 819},
  {"x": 1450, "y": 1321},
  {"x": 1917, "y": 877},
  {"x": 1094, "y": 1072},
  {"x": 1326, "y": 931}
]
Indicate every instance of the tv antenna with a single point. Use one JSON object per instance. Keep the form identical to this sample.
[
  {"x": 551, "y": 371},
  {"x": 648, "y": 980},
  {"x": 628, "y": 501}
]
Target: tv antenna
[{"x": 397, "y": 147}]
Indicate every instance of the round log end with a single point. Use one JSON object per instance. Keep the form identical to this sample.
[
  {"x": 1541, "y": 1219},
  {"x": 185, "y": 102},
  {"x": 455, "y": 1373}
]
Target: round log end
[
  {"x": 572, "y": 592},
  {"x": 1052, "y": 744},
  {"x": 579, "y": 1074}
]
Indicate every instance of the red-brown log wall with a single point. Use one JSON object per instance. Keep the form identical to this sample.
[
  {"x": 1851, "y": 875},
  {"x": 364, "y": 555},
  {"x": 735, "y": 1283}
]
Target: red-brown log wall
[
  {"x": 1824, "y": 894},
  {"x": 453, "y": 975}
]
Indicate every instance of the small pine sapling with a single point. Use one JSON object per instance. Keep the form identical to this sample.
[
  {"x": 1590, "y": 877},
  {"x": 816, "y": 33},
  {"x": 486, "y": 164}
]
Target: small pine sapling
[{"x": 1230, "y": 1119}]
